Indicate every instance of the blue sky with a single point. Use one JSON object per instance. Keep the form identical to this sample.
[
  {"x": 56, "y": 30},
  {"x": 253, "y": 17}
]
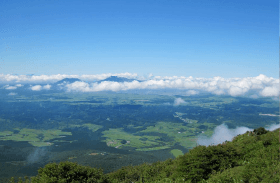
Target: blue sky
[{"x": 196, "y": 38}]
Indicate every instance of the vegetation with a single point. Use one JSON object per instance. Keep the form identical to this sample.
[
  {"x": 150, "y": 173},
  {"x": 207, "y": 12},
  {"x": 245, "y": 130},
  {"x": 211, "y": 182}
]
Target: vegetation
[
  {"x": 251, "y": 157},
  {"x": 91, "y": 127},
  {"x": 66, "y": 172},
  {"x": 162, "y": 135},
  {"x": 177, "y": 152},
  {"x": 33, "y": 136},
  {"x": 180, "y": 133},
  {"x": 113, "y": 139}
]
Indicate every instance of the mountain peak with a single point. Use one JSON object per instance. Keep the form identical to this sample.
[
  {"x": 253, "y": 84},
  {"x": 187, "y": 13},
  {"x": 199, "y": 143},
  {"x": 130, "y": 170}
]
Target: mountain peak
[
  {"x": 67, "y": 80},
  {"x": 117, "y": 79}
]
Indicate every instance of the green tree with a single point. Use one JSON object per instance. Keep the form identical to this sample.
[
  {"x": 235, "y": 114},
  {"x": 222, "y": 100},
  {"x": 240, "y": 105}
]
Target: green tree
[
  {"x": 68, "y": 172},
  {"x": 260, "y": 131},
  {"x": 201, "y": 161}
]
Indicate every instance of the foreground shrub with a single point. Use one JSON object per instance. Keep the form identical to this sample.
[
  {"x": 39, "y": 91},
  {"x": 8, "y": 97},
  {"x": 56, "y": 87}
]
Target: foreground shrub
[
  {"x": 201, "y": 161},
  {"x": 68, "y": 172}
]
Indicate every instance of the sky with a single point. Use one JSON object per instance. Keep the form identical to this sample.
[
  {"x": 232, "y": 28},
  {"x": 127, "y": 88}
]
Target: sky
[{"x": 197, "y": 38}]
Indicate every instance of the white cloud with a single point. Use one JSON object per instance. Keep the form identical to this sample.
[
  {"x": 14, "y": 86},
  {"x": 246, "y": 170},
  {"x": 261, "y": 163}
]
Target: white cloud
[
  {"x": 39, "y": 87},
  {"x": 32, "y": 79},
  {"x": 11, "y": 88},
  {"x": 237, "y": 91},
  {"x": 179, "y": 101},
  {"x": 47, "y": 87},
  {"x": 150, "y": 75},
  {"x": 191, "y": 92},
  {"x": 8, "y": 87},
  {"x": 221, "y": 134},
  {"x": 36, "y": 88},
  {"x": 78, "y": 86},
  {"x": 9, "y": 78},
  {"x": 273, "y": 127},
  {"x": 270, "y": 91},
  {"x": 259, "y": 86}
]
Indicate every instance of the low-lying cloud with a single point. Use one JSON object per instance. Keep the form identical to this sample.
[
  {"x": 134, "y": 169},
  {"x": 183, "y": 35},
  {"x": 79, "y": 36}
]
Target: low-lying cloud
[
  {"x": 259, "y": 86},
  {"x": 191, "y": 92},
  {"x": 273, "y": 127},
  {"x": 8, "y": 87},
  {"x": 12, "y": 93},
  {"x": 222, "y": 133},
  {"x": 36, "y": 155},
  {"x": 11, "y": 88},
  {"x": 10, "y": 78},
  {"x": 179, "y": 101},
  {"x": 39, "y": 87}
]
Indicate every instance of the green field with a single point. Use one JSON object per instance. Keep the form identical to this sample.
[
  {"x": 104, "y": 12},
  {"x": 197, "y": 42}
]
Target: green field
[
  {"x": 145, "y": 140},
  {"x": 178, "y": 132},
  {"x": 115, "y": 136},
  {"x": 92, "y": 127},
  {"x": 33, "y": 136},
  {"x": 176, "y": 152}
]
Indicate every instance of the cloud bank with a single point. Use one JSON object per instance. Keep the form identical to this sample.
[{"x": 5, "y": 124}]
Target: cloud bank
[
  {"x": 258, "y": 86},
  {"x": 254, "y": 87},
  {"x": 10, "y": 78},
  {"x": 222, "y": 133}
]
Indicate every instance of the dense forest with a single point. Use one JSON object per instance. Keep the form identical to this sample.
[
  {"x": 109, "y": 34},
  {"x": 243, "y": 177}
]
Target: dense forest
[{"x": 250, "y": 157}]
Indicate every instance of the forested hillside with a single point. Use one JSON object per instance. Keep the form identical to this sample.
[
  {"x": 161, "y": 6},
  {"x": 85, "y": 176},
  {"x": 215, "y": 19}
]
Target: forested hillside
[{"x": 251, "y": 157}]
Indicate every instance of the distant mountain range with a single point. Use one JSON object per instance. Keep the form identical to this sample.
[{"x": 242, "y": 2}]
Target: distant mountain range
[
  {"x": 58, "y": 86},
  {"x": 111, "y": 78},
  {"x": 117, "y": 79},
  {"x": 67, "y": 81}
]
